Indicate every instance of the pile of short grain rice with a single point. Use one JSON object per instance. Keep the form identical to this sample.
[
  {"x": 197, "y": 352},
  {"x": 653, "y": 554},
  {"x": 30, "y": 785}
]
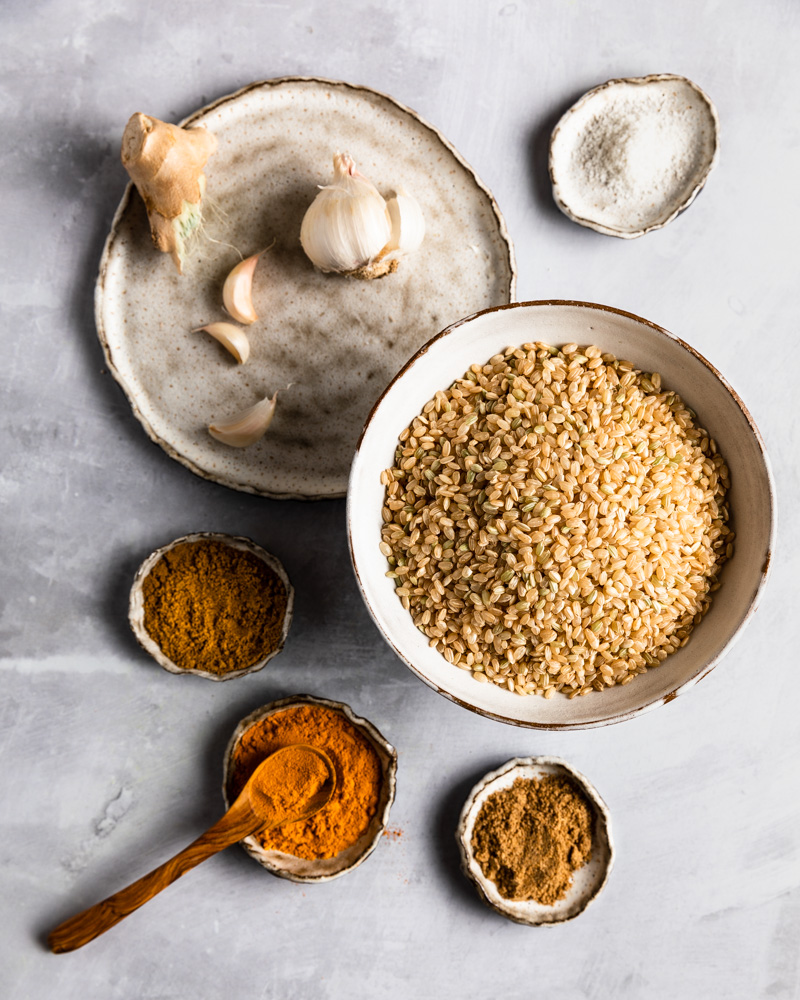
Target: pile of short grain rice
[{"x": 555, "y": 521}]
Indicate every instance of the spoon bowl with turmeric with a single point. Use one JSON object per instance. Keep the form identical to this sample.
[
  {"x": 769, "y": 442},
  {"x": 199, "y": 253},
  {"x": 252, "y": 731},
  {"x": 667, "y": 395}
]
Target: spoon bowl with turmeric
[{"x": 290, "y": 785}]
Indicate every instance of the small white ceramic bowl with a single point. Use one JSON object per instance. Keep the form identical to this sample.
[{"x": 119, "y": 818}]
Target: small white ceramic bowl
[
  {"x": 587, "y": 882},
  {"x": 322, "y": 870},
  {"x": 136, "y": 603},
  {"x": 649, "y": 347},
  {"x": 632, "y": 154}
]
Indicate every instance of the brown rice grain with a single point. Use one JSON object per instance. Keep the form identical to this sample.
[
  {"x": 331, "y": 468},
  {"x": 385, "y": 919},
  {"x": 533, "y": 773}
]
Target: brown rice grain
[{"x": 589, "y": 520}]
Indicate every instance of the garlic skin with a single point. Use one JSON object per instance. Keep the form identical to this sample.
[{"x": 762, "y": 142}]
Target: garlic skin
[
  {"x": 408, "y": 223},
  {"x": 237, "y": 292},
  {"x": 246, "y": 427},
  {"x": 232, "y": 338},
  {"x": 347, "y": 226}
]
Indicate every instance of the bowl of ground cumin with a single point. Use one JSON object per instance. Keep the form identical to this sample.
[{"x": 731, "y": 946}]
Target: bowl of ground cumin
[
  {"x": 535, "y": 839},
  {"x": 344, "y": 833},
  {"x": 218, "y": 606},
  {"x": 560, "y": 515}
]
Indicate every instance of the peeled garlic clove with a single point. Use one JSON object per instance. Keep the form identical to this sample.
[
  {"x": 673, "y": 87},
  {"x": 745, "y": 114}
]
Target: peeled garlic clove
[
  {"x": 232, "y": 338},
  {"x": 237, "y": 292},
  {"x": 408, "y": 223},
  {"x": 347, "y": 226},
  {"x": 246, "y": 427}
]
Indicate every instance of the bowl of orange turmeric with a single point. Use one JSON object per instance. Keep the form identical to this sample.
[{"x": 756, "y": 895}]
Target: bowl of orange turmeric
[{"x": 347, "y": 830}]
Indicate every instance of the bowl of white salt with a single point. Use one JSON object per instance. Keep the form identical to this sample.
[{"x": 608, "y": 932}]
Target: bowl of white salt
[{"x": 632, "y": 154}]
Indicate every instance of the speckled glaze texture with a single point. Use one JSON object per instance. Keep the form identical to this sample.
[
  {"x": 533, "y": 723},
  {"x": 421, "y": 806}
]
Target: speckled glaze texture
[
  {"x": 649, "y": 348},
  {"x": 660, "y": 99},
  {"x": 336, "y": 340},
  {"x": 322, "y": 870},
  {"x": 136, "y": 603},
  {"x": 587, "y": 882}
]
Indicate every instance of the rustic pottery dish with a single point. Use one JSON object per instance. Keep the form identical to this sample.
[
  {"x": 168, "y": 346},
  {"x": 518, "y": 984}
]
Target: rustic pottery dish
[
  {"x": 649, "y": 347},
  {"x": 322, "y": 870},
  {"x": 136, "y": 603},
  {"x": 337, "y": 341},
  {"x": 632, "y": 154},
  {"x": 587, "y": 883}
]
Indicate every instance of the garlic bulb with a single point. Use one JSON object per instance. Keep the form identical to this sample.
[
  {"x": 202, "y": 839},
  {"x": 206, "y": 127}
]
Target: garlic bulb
[
  {"x": 232, "y": 338},
  {"x": 246, "y": 427},
  {"x": 408, "y": 222},
  {"x": 237, "y": 292},
  {"x": 347, "y": 226}
]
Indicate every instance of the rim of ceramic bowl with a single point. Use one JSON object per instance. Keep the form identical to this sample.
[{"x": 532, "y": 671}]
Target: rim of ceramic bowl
[
  {"x": 122, "y": 208},
  {"x": 682, "y": 205},
  {"x": 602, "y": 842},
  {"x": 658, "y": 699},
  {"x": 136, "y": 603},
  {"x": 275, "y": 861}
]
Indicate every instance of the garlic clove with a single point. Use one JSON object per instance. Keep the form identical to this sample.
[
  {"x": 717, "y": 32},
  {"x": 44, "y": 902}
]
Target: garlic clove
[
  {"x": 347, "y": 226},
  {"x": 246, "y": 427},
  {"x": 232, "y": 338},
  {"x": 408, "y": 223},
  {"x": 237, "y": 292}
]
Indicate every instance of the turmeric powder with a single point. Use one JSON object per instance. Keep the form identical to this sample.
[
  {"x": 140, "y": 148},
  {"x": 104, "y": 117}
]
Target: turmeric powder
[
  {"x": 294, "y": 781},
  {"x": 354, "y": 803}
]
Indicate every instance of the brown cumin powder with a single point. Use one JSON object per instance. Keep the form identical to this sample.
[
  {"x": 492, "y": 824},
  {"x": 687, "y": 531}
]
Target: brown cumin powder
[
  {"x": 530, "y": 838},
  {"x": 214, "y": 607}
]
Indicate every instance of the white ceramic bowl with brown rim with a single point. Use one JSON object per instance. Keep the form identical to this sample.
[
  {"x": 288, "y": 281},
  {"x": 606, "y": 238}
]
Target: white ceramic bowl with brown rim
[
  {"x": 322, "y": 869},
  {"x": 650, "y": 348},
  {"x": 632, "y": 154},
  {"x": 136, "y": 603},
  {"x": 587, "y": 882}
]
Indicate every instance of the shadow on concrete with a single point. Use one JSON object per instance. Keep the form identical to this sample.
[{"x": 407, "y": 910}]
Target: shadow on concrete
[
  {"x": 445, "y": 823},
  {"x": 538, "y": 153}
]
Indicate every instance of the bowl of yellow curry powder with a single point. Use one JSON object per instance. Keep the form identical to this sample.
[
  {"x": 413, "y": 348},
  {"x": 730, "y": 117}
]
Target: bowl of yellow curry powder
[
  {"x": 347, "y": 830},
  {"x": 214, "y": 605},
  {"x": 535, "y": 839}
]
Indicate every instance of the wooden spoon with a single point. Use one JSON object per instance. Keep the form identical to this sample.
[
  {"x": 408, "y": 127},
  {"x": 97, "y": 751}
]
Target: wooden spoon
[{"x": 290, "y": 785}]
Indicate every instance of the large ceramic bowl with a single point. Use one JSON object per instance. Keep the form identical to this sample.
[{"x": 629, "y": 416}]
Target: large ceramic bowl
[{"x": 475, "y": 339}]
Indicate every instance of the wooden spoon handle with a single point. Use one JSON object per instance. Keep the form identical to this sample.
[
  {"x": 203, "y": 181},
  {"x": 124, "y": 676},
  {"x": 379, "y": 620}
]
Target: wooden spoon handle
[{"x": 237, "y": 823}]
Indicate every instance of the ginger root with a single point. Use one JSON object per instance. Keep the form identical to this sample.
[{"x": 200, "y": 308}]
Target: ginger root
[{"x": 166, "y": 162}]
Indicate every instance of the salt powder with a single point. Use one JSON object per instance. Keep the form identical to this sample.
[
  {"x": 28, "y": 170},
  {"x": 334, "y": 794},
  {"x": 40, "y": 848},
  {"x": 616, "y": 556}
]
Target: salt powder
[{"x": 629, "y": 159}]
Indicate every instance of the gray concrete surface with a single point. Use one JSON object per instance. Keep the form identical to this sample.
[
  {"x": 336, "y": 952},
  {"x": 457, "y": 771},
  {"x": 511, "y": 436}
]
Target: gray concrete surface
[{"x": 109, "y": 764}]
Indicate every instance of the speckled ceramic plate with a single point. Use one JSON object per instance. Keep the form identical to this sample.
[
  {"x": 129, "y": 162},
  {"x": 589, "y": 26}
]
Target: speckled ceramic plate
[{"x": 338, "y": 340}]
